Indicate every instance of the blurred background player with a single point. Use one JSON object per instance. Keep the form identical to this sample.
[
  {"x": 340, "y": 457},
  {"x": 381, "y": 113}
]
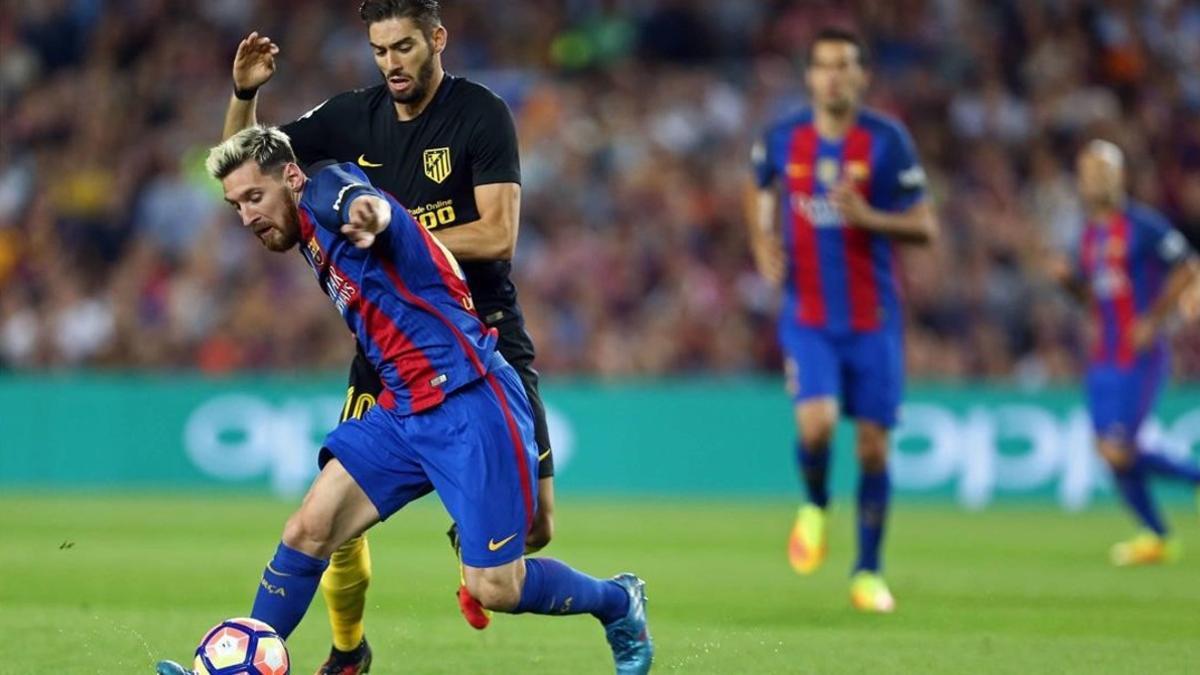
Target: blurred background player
[
  {"x": 1133, "y": 269},
  {"x": 447, "y": 148},
  {"x": 453, "y": 417},
  {"x": 848, "y": 184}
]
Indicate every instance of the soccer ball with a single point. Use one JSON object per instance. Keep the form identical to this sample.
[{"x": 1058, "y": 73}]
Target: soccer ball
[{"x": 242, "y": 647}]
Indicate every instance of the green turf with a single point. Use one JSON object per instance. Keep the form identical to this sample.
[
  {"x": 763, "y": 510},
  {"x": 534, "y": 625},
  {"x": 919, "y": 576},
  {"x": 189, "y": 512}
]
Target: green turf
[{"x": 109, "y": 585}]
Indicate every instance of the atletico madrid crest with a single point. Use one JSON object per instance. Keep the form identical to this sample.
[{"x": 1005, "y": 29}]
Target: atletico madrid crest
[{"x": 437, "y": 164}]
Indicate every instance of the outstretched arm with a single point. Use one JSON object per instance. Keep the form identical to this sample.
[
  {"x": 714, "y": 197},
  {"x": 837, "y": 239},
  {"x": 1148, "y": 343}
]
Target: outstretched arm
[{"x": 253, "y": 65}]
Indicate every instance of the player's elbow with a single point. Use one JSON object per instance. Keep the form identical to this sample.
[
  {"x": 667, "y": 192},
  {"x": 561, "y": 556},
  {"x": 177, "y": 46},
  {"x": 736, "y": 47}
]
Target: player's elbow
[
  {"x": 927, "y": 230},
  {"x": 503, "y": 242},
  {"x": 506, "y": 249}
]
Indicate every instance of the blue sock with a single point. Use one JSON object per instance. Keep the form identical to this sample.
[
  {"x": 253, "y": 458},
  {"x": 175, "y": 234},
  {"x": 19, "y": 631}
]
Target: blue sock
[
  {"x": 1131, "y": 483},
  {"x": 551, "y": 587},
  {"x": 1160, "y": 464},
  {"x": 286, "y": 589},
  {"x": 814, "y": 466},
  {"x": 874, "y": 490}
]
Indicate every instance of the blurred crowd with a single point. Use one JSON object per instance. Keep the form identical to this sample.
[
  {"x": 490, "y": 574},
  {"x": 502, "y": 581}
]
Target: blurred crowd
[{"x": 635, "y": 119}]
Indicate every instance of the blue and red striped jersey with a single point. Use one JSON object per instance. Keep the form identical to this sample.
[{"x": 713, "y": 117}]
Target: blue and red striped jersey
[
  {"x": 404, "y": 298},
  {"x": 839, "y": 277},
  {"x": 1125, "y": 261}
]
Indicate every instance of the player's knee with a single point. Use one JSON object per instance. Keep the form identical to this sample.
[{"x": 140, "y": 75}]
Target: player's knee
[
  {"x": 816, "y": 421},
  {"x": 310, "y": 533},
  {"x": 873, "y": 461},
  {"x": 493, "y": 592},
  {"x": 1115, "y": 454},
  {"x": 872, "y": 456},
  {"x": 817, "y": 441},
  {"x": 872, "y": 448},
  {"x": 817, "y": 435}
]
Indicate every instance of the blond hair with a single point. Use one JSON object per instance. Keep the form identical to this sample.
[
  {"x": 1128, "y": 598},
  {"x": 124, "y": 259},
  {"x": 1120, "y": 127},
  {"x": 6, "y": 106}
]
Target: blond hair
[{"x": 268, "y": 146}]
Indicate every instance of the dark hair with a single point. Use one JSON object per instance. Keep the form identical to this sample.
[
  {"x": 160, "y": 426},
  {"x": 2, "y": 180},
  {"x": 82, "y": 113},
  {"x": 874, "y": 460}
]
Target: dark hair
[
  {"x": 425, "y": 13},
  {"x": 835, "y": 34}
]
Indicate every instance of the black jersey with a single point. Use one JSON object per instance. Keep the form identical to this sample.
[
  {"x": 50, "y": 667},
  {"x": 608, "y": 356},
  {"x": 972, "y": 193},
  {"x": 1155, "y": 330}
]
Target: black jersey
[{"x": 431, "y": 164}]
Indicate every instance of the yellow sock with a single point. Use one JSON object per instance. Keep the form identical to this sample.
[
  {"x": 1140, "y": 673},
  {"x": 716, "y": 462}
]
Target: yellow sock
[{"x": 344, "y": 586}]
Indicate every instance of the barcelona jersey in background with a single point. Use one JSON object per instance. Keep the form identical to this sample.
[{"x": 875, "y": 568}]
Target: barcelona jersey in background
[
  {"x": 1125, "y": 262},
  {"x": 841, "y": 325}
]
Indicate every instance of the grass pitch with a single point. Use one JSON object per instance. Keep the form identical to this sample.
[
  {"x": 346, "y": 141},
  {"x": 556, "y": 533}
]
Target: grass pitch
[{"x": 105, "y": 584}]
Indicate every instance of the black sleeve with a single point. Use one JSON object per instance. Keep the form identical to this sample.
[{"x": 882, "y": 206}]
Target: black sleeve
[
  {"x": 310, "y": 134},
  {"x": 492, "y": 146}
]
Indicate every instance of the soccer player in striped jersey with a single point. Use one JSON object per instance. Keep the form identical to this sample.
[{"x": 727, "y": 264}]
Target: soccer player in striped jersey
[
  {"x": 846, "y": 184},
  {"x": 453, "y": 416},
  {"x": 1133, "y": 268},
  {"x": 446, "y": 147}
]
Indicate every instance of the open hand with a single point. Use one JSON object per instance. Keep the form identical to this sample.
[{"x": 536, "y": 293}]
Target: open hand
[{"x": 254, "y": 63}]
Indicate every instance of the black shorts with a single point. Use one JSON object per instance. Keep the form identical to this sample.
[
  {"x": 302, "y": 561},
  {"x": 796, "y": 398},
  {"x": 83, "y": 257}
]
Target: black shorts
[{"x": 514, "y": 344}]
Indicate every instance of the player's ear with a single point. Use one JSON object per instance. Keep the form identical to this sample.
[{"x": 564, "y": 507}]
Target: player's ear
[
  {"x": 440, "y": 36},
  {"x": 293, "y": 177}
]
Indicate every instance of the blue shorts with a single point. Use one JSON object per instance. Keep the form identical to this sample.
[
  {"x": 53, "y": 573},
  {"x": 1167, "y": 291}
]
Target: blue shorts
[
  {"x": 863, "y": 370},
  {"x": 476, "y": 450},
  {"x": 1120, "y": 398}
]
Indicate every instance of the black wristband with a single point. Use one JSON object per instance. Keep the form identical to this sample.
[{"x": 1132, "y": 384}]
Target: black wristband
[{"x": 244, "y": 94}]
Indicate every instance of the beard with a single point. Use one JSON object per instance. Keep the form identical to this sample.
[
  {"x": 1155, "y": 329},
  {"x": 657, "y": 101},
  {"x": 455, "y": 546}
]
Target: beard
[
  {"x": 420, "y": 84},
  {"x": 281, "y": 237},
  {"x": 840, "y": 107}
]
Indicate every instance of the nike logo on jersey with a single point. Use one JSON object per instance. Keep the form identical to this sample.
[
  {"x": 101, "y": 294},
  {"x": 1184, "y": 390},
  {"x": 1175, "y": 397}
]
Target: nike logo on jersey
[
  {"x": 542, "y": 457},
  {"x": 494, "y": 545},
  {"x": 362, "y": 161}
]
